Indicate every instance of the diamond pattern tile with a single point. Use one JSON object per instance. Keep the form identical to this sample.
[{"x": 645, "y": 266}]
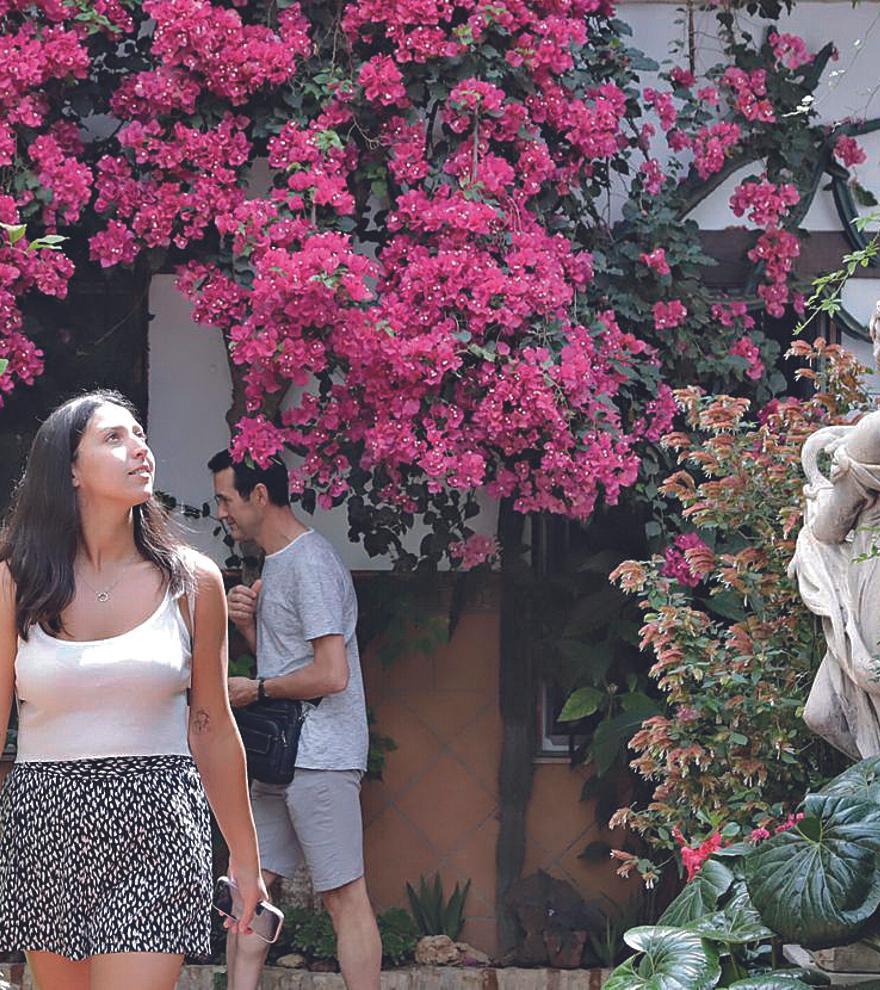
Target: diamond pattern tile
[{"x": 447, "y": 804}]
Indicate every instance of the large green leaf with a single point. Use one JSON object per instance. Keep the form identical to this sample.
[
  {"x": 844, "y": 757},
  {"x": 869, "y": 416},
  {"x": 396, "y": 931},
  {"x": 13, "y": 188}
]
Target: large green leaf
[
  {"x": 780, "y": 980},
  {"x": 736, "y": 850},
  {"x": 861, "y": 781},
  {"x": 582, "y": 702},
  {"x": 818, "y": 883},
  {"x": 672, "y": 959},
  {"x": 736, "y": 923},
  {"x": 700, "y": 895},
  {"x": 612, "y": 736}
]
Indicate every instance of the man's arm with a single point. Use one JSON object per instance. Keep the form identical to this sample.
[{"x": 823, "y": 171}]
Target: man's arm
[
  {"x": 327, "y": 674},
  {"x": 242, "y": 604}
]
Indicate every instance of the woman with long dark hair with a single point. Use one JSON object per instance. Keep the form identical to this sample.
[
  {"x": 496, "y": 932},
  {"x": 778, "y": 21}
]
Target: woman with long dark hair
[{"x": 113, "y": 640}]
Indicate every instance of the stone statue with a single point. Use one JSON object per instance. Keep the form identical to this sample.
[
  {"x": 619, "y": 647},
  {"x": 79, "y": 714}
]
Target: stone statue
[
  {"x": 874, "y": 331},
  {"x": 841, "y": 524}
]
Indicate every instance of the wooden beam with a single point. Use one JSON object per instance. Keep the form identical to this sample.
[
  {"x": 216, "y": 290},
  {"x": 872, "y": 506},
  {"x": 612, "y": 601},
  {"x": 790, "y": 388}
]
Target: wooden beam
[{"x": 821, "y": 252}]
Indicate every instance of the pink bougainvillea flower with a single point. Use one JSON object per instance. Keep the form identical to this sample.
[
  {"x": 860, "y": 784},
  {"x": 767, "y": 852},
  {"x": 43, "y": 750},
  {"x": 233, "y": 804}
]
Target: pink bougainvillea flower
[
  {"x": 745, "y": 348},
  {"x": 668, "y": 315},
  {"x": 849, "y": 152},
  {"x": 475, "y": 550},
  {"x": 656, "y": 261},
  {"x": 789, "y": 50}
]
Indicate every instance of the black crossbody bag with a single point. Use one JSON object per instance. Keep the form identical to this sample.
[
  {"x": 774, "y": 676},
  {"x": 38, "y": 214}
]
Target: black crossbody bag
[{"x": 270, "y": 730}]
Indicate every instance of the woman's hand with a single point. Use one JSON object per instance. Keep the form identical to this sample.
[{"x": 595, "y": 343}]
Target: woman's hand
[{"x": 251, "y": 890}]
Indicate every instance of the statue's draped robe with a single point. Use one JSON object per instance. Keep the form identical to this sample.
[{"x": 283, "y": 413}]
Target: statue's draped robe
[{"x": 844, "y": 590}]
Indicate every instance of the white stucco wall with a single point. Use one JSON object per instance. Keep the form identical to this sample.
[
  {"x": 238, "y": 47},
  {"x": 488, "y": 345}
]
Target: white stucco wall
[
  {"x": 189, "y": 380},
  {"x": 189, "y": 393}
]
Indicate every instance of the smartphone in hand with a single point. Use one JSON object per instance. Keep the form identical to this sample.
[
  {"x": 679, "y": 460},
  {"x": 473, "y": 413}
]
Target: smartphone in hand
[{"x": 267, "y": 920}]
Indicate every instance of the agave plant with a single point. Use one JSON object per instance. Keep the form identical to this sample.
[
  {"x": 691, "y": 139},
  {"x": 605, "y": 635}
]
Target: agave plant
[
  {"x": 433, "y": 913},
  {"x": 817, "y": 884}
]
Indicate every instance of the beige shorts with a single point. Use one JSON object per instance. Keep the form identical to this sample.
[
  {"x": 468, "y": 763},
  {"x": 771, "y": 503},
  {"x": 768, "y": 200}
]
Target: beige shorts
[{"x": 315, "y": 820}]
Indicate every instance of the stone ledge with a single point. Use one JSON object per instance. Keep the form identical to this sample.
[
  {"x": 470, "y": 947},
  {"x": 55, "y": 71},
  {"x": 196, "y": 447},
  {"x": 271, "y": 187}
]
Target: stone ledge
[{"x": 16, "y": 977}]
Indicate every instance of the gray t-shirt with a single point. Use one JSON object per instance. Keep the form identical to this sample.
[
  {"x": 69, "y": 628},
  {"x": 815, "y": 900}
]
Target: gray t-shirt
[{"x": 307, "y": 592}]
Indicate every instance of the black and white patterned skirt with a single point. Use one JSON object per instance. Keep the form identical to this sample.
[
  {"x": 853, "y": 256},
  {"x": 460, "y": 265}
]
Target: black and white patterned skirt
[{"x": 108, "y": 855}]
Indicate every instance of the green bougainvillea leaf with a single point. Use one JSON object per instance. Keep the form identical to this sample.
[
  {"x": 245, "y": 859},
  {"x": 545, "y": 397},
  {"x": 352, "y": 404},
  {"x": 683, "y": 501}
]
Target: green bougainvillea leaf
[
  {"x": 671, "y": 959},
  {"x": 818, "y": 883},
  {"x": 736, "y": 923},
  {"x": 700, "y": 895},
  {"x": 861, "y": 781}
]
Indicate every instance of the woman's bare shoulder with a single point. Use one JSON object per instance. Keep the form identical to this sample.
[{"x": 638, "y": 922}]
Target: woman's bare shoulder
[
  {"x": 204, "y": 571},
  {"x": 7, "y": 582}
]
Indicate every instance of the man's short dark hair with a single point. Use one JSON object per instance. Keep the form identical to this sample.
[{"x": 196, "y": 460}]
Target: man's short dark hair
[{"x": 274, "y": 477}]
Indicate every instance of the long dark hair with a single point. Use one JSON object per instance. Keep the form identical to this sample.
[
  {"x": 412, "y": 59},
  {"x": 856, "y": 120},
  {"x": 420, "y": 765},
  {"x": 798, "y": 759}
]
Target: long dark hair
[{"x": 42, "y": 533}]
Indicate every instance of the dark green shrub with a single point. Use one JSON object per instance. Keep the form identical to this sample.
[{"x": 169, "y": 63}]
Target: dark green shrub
[{"x": 311, "y": 933}]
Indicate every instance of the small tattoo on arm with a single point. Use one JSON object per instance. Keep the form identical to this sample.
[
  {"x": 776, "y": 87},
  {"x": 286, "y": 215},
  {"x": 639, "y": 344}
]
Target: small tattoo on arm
[{"x": 201, "y": 721}]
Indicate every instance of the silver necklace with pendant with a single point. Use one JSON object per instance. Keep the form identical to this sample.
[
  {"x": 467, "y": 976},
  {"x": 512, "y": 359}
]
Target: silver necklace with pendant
[{"x": 103, "y": 596}]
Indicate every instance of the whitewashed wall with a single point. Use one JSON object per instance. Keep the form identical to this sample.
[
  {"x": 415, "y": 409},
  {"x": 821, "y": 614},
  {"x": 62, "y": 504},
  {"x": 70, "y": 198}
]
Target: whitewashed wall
[{"x": 189, "y": 379}]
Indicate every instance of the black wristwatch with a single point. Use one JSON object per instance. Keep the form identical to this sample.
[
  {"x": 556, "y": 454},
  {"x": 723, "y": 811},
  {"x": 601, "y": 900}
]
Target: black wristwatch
[{"x": 261, "y": 689}]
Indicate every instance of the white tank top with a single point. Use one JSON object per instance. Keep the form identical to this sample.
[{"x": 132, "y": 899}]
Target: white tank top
[{"x": 120, "y": 696}]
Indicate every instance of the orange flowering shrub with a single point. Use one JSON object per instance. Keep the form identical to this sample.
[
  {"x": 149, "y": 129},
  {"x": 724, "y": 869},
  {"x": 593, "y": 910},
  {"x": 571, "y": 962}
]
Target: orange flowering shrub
[{"x": 735, "y": 649}]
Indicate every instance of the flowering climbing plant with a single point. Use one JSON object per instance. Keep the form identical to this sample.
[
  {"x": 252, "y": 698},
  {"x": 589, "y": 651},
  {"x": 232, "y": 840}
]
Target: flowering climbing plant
[
  {"x": 735, "y": 649},
  {"x": 397, "y": 215}
]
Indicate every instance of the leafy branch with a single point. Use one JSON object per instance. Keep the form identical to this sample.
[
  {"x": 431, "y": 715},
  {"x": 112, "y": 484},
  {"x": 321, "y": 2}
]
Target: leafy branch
[{"x": 827, "y": 294}]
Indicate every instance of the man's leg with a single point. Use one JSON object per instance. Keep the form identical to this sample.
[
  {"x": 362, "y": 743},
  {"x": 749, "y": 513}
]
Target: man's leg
[
  {"x": 325, "y": 809},
  {"x": 246, "y": 954},
  {"x": 359, "y": 946}
]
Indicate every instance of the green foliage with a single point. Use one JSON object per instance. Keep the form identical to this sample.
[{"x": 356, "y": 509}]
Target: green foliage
[
  {"x": 244, "y": 665},
  {"x": 587, "y": 645},
  {"x": 861, "y": 781},
  {"x": 700, "y": 897},
  {"x": 827, "y": 297},
  {"x": 737, "y": 923},
  {"x": 735, "y": 647},
  {"x": 48, "y": 242},
  {"x": 815, "y": 882},
  {"x": 311, "y": 933},
  {"x": 435, "y": 915},
  {"x": 669, "y": 959},
  {"x": 583, "y": 701},
  {"x": 819, "y": 884},
  {"x": 399, "y": 934},
  {"x": 400, "y": 613},
  {"x": 781, "y": 980},
  {"x": 606, "y": 946},
  {"x": 380, "y": 747}
]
